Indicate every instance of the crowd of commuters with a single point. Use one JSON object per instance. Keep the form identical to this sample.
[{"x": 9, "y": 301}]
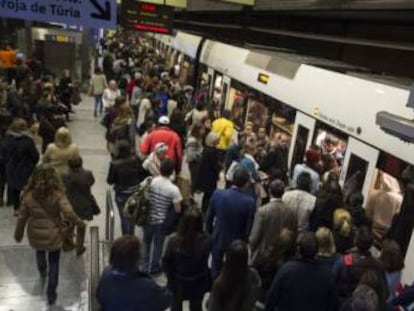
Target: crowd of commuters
[
  {"x": 50, "y": 191},
  {"x": 290, "y": 240}
]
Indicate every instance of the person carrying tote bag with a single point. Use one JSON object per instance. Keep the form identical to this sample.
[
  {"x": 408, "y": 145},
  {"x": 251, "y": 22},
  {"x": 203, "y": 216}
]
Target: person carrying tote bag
[{"x": 44, "y": 208}]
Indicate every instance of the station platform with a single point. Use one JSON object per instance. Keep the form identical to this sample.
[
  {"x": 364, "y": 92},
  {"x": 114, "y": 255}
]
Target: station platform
[
  {"x": 21, "y": 288},
  {"x": 20, "y": 284}
]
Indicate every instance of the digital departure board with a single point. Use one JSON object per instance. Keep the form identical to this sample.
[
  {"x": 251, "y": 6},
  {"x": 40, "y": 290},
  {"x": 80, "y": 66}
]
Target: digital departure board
[{"x": 149, "y": 17}]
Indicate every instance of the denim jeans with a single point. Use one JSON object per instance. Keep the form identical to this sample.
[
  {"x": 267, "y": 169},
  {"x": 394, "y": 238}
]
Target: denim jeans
[
  {"x": 98, "y": 105},
  {"x": 53, "y": 258},
  {"x": 153, "y": 236},
  {"x": 127, "y": 226}
]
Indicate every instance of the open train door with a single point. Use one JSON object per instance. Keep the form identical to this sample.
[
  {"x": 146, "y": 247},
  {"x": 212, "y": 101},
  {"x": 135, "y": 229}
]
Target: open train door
[
  {"x": 358, "y": 167},
  {"x": 301, "y": 138}
]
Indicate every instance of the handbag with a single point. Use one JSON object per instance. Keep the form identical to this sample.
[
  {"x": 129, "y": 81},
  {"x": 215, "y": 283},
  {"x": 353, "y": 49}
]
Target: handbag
[{"x": 66, "y": 231}]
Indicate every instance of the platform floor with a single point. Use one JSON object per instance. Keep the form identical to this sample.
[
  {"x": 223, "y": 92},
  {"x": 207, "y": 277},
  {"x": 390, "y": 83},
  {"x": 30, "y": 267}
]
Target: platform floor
[{"x": 20, "y": 284}]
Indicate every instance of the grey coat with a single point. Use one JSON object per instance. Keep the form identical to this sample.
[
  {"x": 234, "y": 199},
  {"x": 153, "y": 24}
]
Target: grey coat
[{"x": 269, "y": 221}]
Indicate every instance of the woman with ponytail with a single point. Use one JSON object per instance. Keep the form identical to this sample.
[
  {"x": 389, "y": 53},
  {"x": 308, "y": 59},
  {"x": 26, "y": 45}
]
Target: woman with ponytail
[{"x": 343, "y": 230}]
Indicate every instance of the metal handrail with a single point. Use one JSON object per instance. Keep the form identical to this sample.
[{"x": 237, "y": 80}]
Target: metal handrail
[
  {"x": 94, "y": 268},
  {"x": 110, "y": 218}
]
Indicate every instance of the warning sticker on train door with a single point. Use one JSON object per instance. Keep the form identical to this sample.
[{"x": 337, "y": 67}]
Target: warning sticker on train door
[{"x": 88, "y": 13}]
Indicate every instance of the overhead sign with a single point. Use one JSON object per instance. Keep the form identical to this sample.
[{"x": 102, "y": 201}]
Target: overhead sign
[
  {"x": 88, "y": 13},
  {"x": 60, "y": 38},
  {"x": 149, "y": 17}
]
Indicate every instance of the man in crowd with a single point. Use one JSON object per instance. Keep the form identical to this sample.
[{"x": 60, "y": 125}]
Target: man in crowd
[
  {"x": 269, "y": 221},
  {"x": 164, "y": 134},
  {"x": 233, "y": 210}
]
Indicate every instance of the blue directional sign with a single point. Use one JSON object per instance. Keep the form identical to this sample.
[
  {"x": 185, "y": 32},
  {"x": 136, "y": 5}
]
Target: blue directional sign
[{"x": 88, "y": 13}]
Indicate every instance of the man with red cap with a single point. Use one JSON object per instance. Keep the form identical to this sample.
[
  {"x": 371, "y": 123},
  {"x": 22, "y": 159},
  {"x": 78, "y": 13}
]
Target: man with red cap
[{"x": 312, "y": 158}]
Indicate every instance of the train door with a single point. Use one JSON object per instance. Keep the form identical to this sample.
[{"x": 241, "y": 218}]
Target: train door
[
  {"x": 359, "y": 166},
  {"x": 225, "y": 91},
  {"x": 302, "y": 138}
]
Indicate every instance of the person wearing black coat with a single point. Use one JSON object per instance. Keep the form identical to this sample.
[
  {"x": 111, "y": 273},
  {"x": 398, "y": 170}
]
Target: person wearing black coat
[
  {"x": 275, "y": 163},
  {"x": 303, "y": 284},
  {"x": 48, "y": 126},
  {"x": 65, "y": 91},
  {"x": 328, "y": 199},
  {"x": 186, "y": 262},
  {"x": 209, "y": 169},
  {"x": 123, "y": 288},
  {"x": 125, "y": 173},
  {"x": 20, "y": 157}
]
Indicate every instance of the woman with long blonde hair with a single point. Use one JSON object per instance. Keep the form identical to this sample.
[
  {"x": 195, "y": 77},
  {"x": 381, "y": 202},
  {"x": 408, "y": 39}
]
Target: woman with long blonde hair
[
  {"x": 44, "y": 206},
  {"x": 60, "y": 151}
]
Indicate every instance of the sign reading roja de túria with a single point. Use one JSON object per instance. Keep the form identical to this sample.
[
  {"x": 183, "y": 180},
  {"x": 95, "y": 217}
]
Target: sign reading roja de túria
[{"x": 88, "y": 13}]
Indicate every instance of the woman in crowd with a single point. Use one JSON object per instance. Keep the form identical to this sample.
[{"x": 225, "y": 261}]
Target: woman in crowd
[
  {"x": 282, "y": 249},
  {"x": 209, "y": 169},
  {"x": 343, "y": 230},
  {"x": 194, "y": 149},
  {"x": 122, "y": 130},
  {"x": 58, "y": 153},
  {"x": 123, "y": 288},
  {"x": 65, "y": 91},
  {"x": 186, "y": 261},
  {"x": 78, "y": 183},
  {"x": 43, "y": 206},
  {"x": 328, "y": 199},
  {"x": 326, "y": 254},
  {"x": 237, "y": 286},
  {"x": 152, "y": 163},
  {"x": 48, "y": 125},
  {"x": 393, "y": 262},
  {"x": 20, "y": 157},
  {"x": 125, "y": 174},
  {"x": 110, "y": 94},
  {"x": 97, "y": 86}
]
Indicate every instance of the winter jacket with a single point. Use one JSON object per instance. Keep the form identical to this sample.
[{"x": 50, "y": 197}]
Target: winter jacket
[
  {"x": 224, "y": 128},
  {"x": 126, "y": 174},
  {"x": 59, "y": 157},
  {"x": 187, "y": 271},
  {"x": 118, "y": 291},
  {"x": 322, "y": 214},
  {"x": 78, "y": 183},
  {"x": 275, "y": 163},
  {"x": 165, "y": 135},
  {"x": 302, "y": 285},
  {"x": 20, "y": 157},
  {"x": 42, "y": 232},
  {"x": 269, "y": 221},
  {"x": 47, "y": 130},
  {"x": 98, "y": 84}
]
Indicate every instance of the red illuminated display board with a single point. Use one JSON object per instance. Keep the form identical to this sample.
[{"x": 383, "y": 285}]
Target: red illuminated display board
[{"x": 149, "y": 17}]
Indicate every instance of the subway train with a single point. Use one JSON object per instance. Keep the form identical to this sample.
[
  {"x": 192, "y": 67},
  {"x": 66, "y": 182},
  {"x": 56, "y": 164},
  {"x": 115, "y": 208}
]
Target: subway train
[{"x": 309, "y": 99}]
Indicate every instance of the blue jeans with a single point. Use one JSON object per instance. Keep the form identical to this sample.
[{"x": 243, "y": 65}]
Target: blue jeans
[
  {"x": 153, "y": 236},
  {"x": 98, "y": 104},
  {"x": 53, "y": 258},
  {"x": 127, "y": 226}
]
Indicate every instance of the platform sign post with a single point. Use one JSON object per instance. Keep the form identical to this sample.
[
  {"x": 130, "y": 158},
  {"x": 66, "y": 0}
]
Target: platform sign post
[
  {"x": 87, "y": 13},
  {"x": 148, "y": 17}
]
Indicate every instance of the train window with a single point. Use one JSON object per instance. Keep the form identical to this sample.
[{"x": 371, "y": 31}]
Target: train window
[
  {"x": 257, "y": 114},
  {"x": 236, "y": 103},
  {"x": 300, "y": 146}
]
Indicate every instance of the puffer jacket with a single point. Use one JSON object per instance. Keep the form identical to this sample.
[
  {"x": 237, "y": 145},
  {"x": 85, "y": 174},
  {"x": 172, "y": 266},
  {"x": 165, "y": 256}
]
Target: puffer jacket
[{"x": 42, "y": 231}]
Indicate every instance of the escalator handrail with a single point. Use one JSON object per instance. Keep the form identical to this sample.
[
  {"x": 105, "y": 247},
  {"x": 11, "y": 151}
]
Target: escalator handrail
[
  {"x": 94, "y": 268},
  {"x": 110, "y": 218}
]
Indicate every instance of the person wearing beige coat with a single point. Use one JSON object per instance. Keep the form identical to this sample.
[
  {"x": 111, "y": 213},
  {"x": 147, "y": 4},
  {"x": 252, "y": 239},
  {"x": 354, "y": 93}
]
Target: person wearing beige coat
[
  {"x": 44, "y": 206},
  {"x": 58, "y": 153}
]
